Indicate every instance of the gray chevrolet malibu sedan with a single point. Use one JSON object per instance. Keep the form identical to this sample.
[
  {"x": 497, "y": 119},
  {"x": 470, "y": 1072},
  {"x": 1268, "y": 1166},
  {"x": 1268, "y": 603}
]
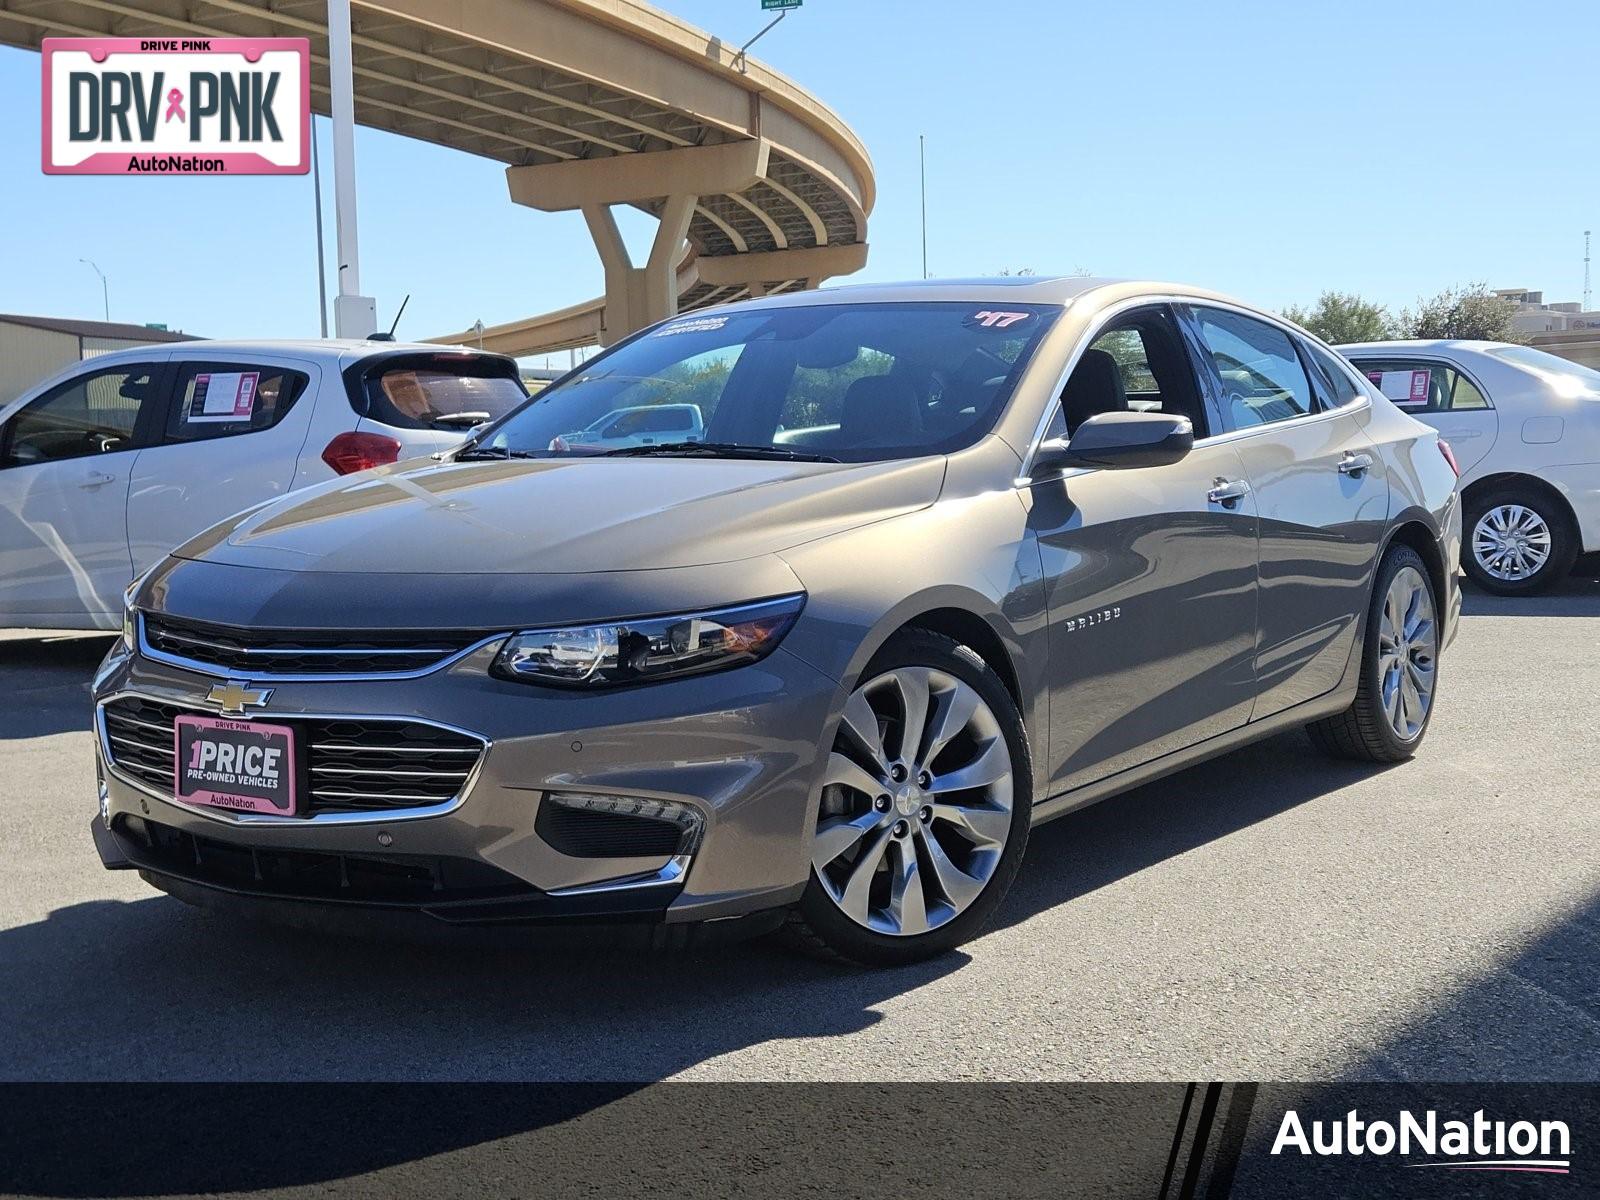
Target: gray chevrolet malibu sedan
[{"x": 937, "y": 562}]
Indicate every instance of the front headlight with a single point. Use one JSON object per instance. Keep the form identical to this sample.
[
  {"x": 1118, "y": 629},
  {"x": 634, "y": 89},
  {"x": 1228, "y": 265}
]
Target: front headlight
[{"x": 650, "y": 648}]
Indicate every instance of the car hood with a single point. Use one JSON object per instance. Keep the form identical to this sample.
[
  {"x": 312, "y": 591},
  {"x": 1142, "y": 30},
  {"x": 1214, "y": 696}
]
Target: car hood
[{"x": 564, "y": 516}]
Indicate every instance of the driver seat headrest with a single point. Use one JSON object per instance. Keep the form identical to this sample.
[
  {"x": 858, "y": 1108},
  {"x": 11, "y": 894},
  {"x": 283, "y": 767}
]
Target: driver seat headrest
[{"x": 1095, "y": 387}]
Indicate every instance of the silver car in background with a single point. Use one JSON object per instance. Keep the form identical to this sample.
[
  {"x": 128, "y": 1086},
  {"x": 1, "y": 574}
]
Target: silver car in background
[
  {"x": 1525, "y": 429},
  {"x": 951, "y": 560}
]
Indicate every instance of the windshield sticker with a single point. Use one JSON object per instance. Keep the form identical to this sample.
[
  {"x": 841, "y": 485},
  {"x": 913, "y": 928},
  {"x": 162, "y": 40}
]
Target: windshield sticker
[
  {"x": 223, "y": 396},
  {"x": 698, "y": 325},
  {"x": 1405, "y": 388},
  {"x": 990, "y": 319}
]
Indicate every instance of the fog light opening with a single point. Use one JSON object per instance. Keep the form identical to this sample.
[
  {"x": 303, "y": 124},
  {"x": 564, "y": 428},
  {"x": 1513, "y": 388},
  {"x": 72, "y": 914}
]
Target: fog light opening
[{"x": 688, "y": 819}]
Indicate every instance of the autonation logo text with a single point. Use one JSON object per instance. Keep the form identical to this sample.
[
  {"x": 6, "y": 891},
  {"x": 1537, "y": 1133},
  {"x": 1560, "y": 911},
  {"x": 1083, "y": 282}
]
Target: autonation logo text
[{"x": 1480, "y": 1144}]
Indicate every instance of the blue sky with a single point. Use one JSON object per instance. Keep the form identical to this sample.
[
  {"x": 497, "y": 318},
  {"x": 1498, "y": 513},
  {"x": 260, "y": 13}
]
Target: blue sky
[{"x": 1270, "y": 150}]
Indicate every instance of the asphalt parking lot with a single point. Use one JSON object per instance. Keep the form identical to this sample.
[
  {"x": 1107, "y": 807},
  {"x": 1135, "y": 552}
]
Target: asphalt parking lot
[{"x": 1269, "y": 915}]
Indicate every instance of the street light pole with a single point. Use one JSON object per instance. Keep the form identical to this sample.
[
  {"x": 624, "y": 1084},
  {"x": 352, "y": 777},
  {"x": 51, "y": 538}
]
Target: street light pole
[
  {"x": 922, "y": 151},
  {"x": 105, "y": 288},
  {"x": 316, "y": 197}
]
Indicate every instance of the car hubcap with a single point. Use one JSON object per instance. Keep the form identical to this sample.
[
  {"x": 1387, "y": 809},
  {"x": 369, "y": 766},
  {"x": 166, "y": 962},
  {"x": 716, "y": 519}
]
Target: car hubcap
[
  {"x": 916, "y": 803},
  {"x": 1511, "y": 542},
  {"x": 1407, "y": 653}
]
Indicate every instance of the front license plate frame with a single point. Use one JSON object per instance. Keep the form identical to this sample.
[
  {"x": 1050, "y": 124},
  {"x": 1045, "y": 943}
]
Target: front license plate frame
[{"x": 250, "y": 766}]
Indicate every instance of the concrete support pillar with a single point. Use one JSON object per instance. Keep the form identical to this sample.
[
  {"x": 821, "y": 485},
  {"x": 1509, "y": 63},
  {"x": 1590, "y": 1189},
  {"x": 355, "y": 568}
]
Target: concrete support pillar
[{"x": 639, "y": 296}]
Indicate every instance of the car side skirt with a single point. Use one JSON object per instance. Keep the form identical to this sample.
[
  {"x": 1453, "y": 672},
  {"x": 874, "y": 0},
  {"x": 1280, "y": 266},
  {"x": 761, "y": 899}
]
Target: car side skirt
[{"x": 1103, "y": 789}]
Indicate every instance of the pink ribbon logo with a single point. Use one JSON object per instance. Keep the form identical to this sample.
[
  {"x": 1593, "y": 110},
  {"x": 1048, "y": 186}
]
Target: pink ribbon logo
[{"x": 175, "y": 106}]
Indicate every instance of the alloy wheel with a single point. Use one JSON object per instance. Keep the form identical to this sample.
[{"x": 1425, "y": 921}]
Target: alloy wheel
[
  {"x": 1408, "y": 645},
  {"x": 916, "y": 803},
  {"x": 1511, "y": 542}
]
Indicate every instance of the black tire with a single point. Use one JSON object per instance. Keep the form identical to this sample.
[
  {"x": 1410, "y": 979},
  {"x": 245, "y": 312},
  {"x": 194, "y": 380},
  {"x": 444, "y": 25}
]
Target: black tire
[
  {"x": 1564, "y": 543},
  {"x": 1362, "y": 731},
  {"x": 817, "y": 927}
]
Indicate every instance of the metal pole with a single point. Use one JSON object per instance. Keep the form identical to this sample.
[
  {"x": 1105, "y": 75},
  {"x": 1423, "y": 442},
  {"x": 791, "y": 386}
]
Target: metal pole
[
  {"x": 354, "y": 315},
  {"x": 922, "y": 146},
  {"x": 316, "y": 195},
  {"x": 105, "y": 288},
  {"x": 742, "y": 59}
]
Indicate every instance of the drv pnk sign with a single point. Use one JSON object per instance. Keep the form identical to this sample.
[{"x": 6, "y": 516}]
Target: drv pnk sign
[{"x": 177, "y": 106}]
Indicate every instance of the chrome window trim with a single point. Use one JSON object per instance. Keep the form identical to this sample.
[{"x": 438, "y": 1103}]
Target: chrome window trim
[
  {"x": 1025, "y": 476},
  {"x": 265, "y": 820},
  {"x": 216, "y": 672},
  {"x": 1431, "y": 357}
]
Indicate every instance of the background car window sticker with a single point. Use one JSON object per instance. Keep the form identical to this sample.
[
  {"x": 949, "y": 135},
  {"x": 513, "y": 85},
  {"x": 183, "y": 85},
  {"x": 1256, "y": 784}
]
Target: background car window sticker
[
  {"x": 1405, "y": 388},
  {"x": 222, "y": 396},
  {"x": 697, "y": 325}
]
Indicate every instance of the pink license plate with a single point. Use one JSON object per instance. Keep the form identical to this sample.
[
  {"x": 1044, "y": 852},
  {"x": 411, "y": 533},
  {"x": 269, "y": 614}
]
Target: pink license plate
[{"x": 245, "y": 766}]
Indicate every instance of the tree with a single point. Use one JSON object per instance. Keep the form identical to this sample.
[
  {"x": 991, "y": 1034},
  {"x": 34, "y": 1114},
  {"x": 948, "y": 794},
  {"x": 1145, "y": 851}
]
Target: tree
[
  {"x": 1340, "y": 317},
  {"x": 1469, "y": 311}
]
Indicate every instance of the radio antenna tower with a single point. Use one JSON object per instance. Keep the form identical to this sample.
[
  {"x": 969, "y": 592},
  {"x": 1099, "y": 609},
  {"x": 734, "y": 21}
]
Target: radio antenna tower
[{"x": 1585, "y": 270}]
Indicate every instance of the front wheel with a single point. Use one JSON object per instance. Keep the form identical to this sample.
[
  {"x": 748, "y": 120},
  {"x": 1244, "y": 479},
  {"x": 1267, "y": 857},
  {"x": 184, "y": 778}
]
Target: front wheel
[
  {"x": 1399, "y": 668},
  {"x": 924, "y": 811}
]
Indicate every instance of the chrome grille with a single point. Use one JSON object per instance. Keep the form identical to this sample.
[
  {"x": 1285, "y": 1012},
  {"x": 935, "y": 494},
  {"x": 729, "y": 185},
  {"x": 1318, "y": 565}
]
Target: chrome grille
[
  {"x": 349, "y": 764},
  {"x": 263, "y": 653}
]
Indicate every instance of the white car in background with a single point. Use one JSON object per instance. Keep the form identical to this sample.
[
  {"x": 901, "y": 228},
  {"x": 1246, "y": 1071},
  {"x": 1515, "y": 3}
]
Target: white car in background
[
  {"x": 639, "y": 425},
  {"x": 110, "y": 464},
  {"x": 1525, "y": 429}
]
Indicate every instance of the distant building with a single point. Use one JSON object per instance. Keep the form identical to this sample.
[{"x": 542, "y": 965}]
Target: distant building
[
  {"x": 33, "y": 348},
  {"x": 1534, "y": 316}
]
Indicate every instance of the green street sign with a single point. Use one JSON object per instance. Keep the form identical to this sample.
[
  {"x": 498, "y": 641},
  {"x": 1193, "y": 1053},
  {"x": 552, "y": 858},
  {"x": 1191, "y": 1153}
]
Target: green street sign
[{"x": 771, "y": 5}]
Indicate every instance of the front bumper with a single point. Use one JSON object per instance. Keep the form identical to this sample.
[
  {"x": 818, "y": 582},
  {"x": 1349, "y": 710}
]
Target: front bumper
[{"x": 740, "y": 746}]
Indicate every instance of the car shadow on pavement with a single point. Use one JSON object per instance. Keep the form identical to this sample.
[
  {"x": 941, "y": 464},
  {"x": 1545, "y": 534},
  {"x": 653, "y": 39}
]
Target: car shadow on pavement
[
  {"x": 47, "y": 683},
  {"x": 1119, "y": 837},
  {"x": 1576, "y": 596},
  {"x": 150, "y": 989}
]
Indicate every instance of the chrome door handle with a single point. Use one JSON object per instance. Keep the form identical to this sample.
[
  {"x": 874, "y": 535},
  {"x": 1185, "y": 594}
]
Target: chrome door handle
[
  {"x": 1228, "y": 492},
  {"x": 1355, "y": 465}
]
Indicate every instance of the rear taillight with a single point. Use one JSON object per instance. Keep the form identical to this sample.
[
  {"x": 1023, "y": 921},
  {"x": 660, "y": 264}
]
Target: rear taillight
[
  {"x": 1450, "y": 457},
  {"x": 352, "y": 452}
]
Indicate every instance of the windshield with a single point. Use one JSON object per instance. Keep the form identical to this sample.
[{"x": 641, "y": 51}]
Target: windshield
[
  {"x": 844, "y": 382},
  {"x": 1548, "y": 364}
]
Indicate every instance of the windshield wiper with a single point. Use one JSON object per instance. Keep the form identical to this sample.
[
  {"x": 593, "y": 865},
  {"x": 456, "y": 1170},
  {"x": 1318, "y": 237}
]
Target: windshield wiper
[
  {"x": 719, "y": 450},
  {"x": 478, "y": 453},
  {"x": 462, "y": 418}
]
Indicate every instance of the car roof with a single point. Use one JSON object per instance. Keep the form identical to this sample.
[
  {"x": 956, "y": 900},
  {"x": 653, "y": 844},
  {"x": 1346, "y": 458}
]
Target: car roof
[
  {"x": 1015, "y": 289},
  {"x": 334, "y": 350},
  {"x": 1420, "y": 346}
]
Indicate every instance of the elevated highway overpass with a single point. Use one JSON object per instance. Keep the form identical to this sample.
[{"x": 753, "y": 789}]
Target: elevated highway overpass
[{"x": 758, "y": 186}]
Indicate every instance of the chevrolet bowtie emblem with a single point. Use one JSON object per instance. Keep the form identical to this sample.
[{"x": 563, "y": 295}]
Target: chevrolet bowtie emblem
[{"x": 234, "y": 698}]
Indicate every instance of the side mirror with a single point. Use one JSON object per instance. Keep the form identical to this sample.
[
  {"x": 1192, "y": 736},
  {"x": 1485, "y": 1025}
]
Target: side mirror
[{"x": 1119, "y": 441}]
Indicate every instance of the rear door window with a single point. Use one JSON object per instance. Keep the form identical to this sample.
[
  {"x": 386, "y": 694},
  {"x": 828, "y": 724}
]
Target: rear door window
[
  {"x": 226, "y": 399},
  {"x": 1262, "y": 378},
  {"x": 435, "y": 391},
  {"x": 1423, "y": 386}
]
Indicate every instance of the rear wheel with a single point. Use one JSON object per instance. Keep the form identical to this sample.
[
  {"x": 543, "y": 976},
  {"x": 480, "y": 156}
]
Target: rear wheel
[
  {"x": 1518, "y": 541},
  {"x": 924, "y": 810},
  {"x": 1399, "y": 668}
]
